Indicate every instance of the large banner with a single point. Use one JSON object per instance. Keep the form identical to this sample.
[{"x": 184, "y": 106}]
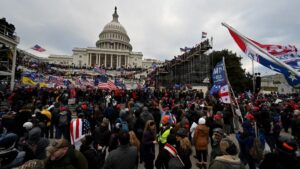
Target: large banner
[
  {"x": 220, "y": 84},
  {"x": 218, "y": 77},
  {"x": 279, "y": 58}
]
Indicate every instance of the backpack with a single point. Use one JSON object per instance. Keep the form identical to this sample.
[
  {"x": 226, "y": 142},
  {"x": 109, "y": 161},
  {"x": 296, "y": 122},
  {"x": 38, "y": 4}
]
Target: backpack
[
  {"x": 63, "y": 119},
  {"x": 175, "y": 161},
  {"x": 124, "y": 125},
  {"x": 256, "y": 151}
]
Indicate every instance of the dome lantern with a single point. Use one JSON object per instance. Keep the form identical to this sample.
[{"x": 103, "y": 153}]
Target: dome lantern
[{"x": 115, "y": 15}]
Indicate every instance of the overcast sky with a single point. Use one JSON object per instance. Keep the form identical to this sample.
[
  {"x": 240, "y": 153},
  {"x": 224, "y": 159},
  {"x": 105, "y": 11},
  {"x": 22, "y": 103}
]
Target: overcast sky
[{"x": 158, "y": 28}]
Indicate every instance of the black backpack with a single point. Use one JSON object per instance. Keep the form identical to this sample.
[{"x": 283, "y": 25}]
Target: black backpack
[
  {"x": 63, "y": 119},
  {"x": 175, "y": 161}
]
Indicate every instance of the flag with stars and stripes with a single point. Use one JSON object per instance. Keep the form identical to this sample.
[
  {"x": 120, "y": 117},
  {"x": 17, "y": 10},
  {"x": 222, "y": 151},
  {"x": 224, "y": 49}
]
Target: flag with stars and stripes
[
  {"x": 283, "y": 59},
  {"x": 78, "y": 129}
]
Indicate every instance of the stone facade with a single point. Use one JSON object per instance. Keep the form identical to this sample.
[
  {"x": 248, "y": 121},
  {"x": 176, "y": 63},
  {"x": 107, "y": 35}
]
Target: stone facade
[
  {"x": 113, "y": 49},
  {"x": 276, "y": 83}
]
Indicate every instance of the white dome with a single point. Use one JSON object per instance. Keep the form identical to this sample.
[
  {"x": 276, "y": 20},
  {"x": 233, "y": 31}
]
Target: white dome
[
  {"x": 114, "y": 33},
  {"x": 114, "y": 26}
]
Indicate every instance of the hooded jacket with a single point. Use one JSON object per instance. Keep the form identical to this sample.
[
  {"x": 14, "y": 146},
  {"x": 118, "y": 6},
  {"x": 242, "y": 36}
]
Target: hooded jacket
[
  {"x": 227, "y": 162},
  {"x": 201, "y": 137}
]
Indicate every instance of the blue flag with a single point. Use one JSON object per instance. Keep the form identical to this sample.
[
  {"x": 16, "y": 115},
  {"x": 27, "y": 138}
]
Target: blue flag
[{"x": 218, "y": 77}]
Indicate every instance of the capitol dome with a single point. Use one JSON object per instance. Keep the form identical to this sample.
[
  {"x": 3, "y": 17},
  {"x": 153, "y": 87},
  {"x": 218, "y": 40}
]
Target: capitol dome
[{"x": 114, "y": 35}]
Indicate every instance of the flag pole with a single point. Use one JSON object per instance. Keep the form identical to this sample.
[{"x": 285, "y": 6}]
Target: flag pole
[
  {"x": 263, "y": 51},
  {"x": 253, "y": 77},
  {"x": 235, "y": 123}
]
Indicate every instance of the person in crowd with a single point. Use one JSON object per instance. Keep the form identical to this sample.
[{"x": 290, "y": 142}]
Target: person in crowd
[
  {"x": 184, "y": 148},
  {"x": 62, "y": 123},
  {"x": 148, "y": 144},
  {"x": 296, "y": 125},
  {"x": 164, "y": 156},
  {"x": 229, "y": 159},
  {"x": 45, "y": 117},
  {"x": 146, "y": 115},
  {"x": 246, "y": 141},
  {"x": 34, "y": 145},
  {"x": 134, "y": 141},
  {"x": 94, "y": 155},
  {"x": 63, "y": 156},
  {"x": 284, "y": 157},
  {"x": 9, "y": 155},
  {"x": 114, "y": 137},
  {"x": 125, "y": 156},
  {"x": 79, "y": 127},
  {"x": 166, "y": 112},
  {"x": 55, "y": 110},
  {"x": 164, "y": 131},
  {"x": 32, "y": 164},
  {"x": 201, "y": 141},
  {"x": 102, "y": 134},
  {"x": 217, "y": 136}
]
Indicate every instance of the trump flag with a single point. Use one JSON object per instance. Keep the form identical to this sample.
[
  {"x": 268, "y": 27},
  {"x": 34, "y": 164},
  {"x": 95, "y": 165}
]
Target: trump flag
[
  {"x": 218, "y": 77},
  {"x": 283, "y": 59}
]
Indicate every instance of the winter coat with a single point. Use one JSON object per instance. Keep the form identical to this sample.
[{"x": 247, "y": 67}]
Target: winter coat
[
  {"x": 279, "y": 161},
  {"x": 227, "y": 162},
  {"x": 148, "y": 147},
  {"x": 185, "y": 157},
  {"x": 201, "y": 137},
  {"x": 125, "y": 156},
  {"x": 95, "y": 158},
  {"x": 40, "y": 152},
  {"x": 72, "y": 160},
  {"x": 145, "y": 116},
  {"x": 102, "y": 136}
]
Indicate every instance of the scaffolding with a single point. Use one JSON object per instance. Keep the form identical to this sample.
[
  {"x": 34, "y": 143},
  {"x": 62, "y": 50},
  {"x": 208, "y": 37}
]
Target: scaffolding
[
  {"x": 8, "y": 51},
  {"x": 192, "y": 68}
]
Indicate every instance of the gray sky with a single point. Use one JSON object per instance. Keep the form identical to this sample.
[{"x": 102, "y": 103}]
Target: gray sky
[{"x": 158, "y": 28}]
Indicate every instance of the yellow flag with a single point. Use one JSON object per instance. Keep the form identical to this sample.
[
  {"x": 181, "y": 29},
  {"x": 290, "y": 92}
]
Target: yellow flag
[
  {"x": 43, "y": 85},
  {"x": 27, "y": 81}
]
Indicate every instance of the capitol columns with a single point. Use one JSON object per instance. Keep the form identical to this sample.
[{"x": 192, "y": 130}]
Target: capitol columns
[{"x": 105, "y": 60}]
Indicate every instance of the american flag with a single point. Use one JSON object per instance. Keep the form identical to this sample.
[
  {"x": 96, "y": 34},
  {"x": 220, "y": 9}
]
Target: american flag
[
  {"x": 38, "y": 48},
  {"x": 99, "y": 70},
  {"x": 109, "y": 85},
  {"x": 78, "y": 129},
  {"x": 57, "y": 80}
]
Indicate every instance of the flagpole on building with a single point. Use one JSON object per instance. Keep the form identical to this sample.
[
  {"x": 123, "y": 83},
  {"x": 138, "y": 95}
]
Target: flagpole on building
[{"x": 263, "y": 51}]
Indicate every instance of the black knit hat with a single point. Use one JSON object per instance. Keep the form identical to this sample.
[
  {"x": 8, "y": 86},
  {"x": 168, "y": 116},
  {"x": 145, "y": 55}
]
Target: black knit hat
[
  {"x": 182, "y": 132},
  {"x": 171, "y": 139}
]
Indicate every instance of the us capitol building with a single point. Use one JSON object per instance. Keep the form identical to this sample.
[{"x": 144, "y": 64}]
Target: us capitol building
[{"x": 113, "y": 49}]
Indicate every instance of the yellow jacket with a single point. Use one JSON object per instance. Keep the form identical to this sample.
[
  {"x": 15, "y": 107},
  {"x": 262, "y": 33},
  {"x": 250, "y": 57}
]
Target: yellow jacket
[{"x": 48, "y": 114}]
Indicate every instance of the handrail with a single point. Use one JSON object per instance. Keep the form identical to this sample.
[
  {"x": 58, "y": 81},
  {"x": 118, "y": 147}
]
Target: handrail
[{"x": 8, "y": 32}]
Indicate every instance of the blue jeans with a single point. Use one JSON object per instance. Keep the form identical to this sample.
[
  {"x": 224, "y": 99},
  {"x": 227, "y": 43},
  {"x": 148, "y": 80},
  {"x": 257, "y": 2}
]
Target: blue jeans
[
  {"x": 62, "y": 131},
  {"x": 16, "y": 162}
]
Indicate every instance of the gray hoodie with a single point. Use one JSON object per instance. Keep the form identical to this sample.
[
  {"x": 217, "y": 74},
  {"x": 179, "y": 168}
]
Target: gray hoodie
[{"x": 227, "y": 162}]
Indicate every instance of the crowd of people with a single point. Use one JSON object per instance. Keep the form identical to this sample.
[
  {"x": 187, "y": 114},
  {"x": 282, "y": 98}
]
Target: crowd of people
[{"x": 94, "y": 129}]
